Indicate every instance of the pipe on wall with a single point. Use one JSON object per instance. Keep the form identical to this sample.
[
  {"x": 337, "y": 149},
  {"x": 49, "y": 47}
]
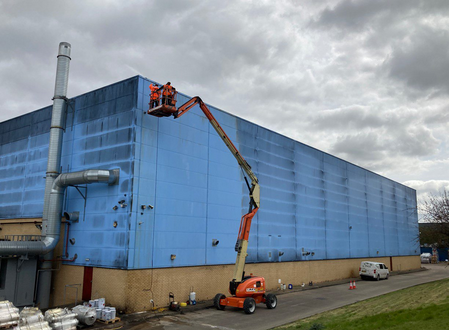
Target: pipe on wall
[
  {"x": 51, "y": 238},
  {"x": 57, "y": 125},
  {"x": 54, "y": 160}
]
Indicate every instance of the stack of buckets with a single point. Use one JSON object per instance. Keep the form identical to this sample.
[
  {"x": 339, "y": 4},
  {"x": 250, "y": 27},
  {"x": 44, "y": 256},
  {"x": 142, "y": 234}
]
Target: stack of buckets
[{"x": 103, "y": 313}]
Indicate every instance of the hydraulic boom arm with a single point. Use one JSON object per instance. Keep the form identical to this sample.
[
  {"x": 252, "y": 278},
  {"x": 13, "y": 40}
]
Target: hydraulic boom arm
[{"x": 241, "y": 246}]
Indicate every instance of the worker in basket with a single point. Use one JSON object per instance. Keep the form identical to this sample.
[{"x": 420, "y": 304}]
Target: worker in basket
[
  {"x": 167, "y": 94},
  {"x": 155, "y": 95}
]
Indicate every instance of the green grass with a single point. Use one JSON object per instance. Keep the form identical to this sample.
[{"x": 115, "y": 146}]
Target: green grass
[{"x": 424, "y": 306}]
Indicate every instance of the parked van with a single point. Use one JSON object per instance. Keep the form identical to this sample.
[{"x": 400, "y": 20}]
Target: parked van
[
  {"x": 426, "y": 258},
  {"x": 374, "y": 270}
]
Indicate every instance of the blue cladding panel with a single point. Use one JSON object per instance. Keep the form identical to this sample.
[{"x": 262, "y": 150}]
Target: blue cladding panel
[
  {"x": 99, "y": 134},
  {"x": 23, "y": 161},
  {"x": 193, "y": 183},
  {"x": 310, "y": 201}
]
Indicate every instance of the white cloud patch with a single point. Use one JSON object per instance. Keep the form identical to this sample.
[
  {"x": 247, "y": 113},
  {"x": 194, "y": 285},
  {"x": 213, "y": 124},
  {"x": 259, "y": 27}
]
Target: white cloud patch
[{"x": 425, "y": 189}]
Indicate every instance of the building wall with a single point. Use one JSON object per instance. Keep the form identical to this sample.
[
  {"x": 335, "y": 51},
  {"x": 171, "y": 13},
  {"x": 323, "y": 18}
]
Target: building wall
[
  {"x": 23, "y": 160},
  {"x": 132, "y": 290},
  {"x": 314, "y": 206},
  {"x": 67, "y": 284},
  {"x": 99, "y": 134},
  {"x": 20, "y": 227}
]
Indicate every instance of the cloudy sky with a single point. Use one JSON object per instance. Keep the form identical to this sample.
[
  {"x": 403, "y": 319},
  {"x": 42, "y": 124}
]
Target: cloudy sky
[{"x": 367, "y": 81}]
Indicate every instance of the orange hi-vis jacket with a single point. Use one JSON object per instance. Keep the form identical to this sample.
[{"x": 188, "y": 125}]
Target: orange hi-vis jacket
[
  {"x": 168, "y": 90},
  {"x": 155, "y": 94}
]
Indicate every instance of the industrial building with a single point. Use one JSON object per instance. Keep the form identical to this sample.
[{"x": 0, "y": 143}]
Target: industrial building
[{"x": 170, "y": 220}]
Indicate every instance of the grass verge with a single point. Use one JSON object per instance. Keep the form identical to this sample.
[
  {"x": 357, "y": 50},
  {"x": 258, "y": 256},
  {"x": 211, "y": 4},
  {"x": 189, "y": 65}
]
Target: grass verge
[{"x": 424, "y": 306}]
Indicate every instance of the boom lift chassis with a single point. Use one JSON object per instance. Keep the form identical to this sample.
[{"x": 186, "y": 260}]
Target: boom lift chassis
[{"x": 246, "y": 291}]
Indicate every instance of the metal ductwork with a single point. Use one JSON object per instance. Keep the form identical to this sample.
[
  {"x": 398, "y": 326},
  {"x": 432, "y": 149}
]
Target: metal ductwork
[
  {"x": 51, "y": 238},
  {"x": 57, "y": 125},
  {"x": 55, "y": 185},
  {"x": 54, "y": 160}
]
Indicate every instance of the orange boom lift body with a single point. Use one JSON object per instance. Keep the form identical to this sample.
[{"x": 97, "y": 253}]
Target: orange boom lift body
[{"x": 246, "y": 291}]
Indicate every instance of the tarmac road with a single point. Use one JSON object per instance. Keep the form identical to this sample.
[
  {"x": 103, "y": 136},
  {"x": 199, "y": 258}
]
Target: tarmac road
[{"x": 291, "y": 306}]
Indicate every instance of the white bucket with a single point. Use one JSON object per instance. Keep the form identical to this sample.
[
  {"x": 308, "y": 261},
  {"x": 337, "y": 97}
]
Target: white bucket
[
  {"x": 106, "y": 314},
  {"x": 98, "y": 310},
  {"x": 192, "y": 297},
  {"x": 113, "y": 312},
  {"x": 100, "y": 302}
]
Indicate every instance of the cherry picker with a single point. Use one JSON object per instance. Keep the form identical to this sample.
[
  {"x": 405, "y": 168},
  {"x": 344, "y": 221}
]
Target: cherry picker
[{"x": 246, "y": 291}]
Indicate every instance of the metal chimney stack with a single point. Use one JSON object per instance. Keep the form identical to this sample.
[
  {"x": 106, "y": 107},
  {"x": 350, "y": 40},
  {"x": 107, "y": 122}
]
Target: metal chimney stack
[
  {"x": 57, "y": 125},
  {"x": 54, "y": 160}
]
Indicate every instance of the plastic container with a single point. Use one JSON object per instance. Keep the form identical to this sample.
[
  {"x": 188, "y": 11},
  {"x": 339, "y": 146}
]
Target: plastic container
[
  {"x": 113, "y": 312},
  {"x": 106, "y": 314},
  {"x": 101, "y": 302},
  {"x": 192, "y": 298}
]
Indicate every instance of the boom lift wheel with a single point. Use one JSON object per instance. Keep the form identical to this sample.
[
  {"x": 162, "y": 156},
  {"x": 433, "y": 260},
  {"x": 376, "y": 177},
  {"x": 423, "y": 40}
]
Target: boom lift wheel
[
  {"x": 217, "y": 299},
  {"x": 271, "y": 301},
  {"x": 249, "y": 305}
]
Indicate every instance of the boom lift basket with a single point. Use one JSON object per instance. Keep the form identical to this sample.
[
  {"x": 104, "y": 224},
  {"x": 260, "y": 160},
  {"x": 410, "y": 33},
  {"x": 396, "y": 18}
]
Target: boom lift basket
[{"x": 165, "y": 102}]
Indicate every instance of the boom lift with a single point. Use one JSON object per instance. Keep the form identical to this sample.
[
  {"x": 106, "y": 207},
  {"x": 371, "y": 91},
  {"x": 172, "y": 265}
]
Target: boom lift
[{"x": 246, "y": 291}]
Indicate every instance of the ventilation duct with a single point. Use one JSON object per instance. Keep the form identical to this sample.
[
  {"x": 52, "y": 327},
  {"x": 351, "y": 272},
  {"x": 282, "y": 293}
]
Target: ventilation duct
[{"x": 51, "y": 238}]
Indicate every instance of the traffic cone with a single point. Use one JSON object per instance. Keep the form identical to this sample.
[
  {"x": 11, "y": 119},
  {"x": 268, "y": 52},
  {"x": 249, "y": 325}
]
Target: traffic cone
[
  {"x": 350, "y": 285},
  {"x": 353, "y": 286}
]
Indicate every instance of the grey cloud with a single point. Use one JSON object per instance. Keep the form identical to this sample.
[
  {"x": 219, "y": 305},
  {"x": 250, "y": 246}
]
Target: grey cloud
[
  {"x": 436, "y": 116},
  {"x": 325, "y": 73},
  {"x": 374, "y": 145},
  {"x": 366, "y": 146},
  {"x": 350, "y": 15},
  {"x": 356, "y": 117},
  {"x": 355, "y": 15},
  {"x": 415, "y": 141},
  {"x": 423, "y": 61},
  {"x": 404, "y": 40},
  {"x": 372, "y": 120}
]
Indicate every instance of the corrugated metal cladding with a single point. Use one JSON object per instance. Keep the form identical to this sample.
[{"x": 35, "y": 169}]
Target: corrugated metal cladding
[{"x": 310, "y": 201}]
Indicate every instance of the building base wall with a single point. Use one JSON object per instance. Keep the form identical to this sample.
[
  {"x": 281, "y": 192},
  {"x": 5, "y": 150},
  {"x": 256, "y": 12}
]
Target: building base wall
[{"x": 132, "y": 290}]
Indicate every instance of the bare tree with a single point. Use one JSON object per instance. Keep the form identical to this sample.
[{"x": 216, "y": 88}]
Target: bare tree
[{"x": 435, "y": 211}]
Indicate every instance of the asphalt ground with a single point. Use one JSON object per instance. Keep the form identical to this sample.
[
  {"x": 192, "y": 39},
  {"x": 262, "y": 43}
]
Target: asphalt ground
[{"x": 292, "y": 305}]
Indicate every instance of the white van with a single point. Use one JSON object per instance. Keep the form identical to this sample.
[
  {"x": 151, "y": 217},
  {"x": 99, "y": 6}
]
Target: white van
[
  {"x": 374, "y": 270},
  {"x": 426, "y": 258}
]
